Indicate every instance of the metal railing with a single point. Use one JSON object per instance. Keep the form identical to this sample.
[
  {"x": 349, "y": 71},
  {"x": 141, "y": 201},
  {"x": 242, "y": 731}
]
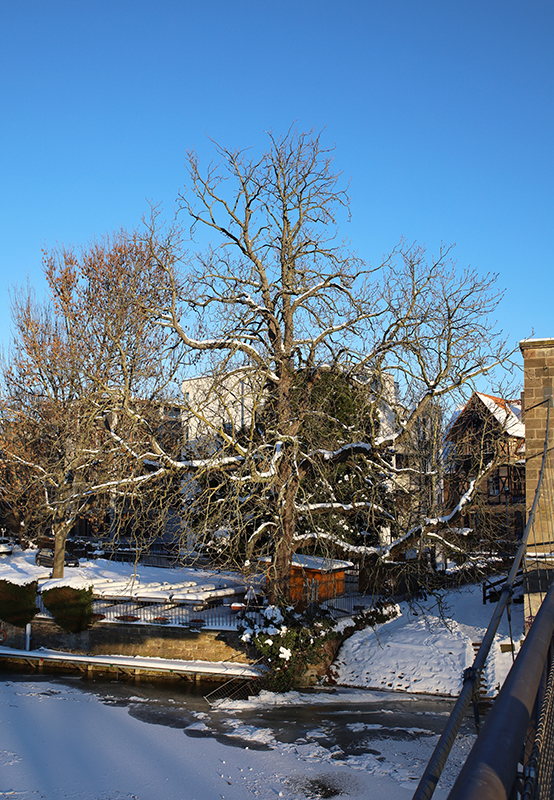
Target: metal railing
[
  {"x": 491, "y": 769},
  {"x": 472, "y": 675},
  {"x": 217, "y": 617},
  {"x": 539, "y": 768}
]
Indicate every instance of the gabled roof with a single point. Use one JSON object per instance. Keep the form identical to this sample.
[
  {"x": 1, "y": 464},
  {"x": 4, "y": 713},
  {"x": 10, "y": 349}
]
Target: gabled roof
[{"x": 506, "y": 412}]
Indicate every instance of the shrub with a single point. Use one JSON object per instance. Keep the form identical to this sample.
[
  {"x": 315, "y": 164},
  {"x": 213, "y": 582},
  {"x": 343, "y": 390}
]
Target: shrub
[
  {"x": 71, "y": 608},
  {"x": 289, "y": 641},
  {"x": 17, "y": 602}
]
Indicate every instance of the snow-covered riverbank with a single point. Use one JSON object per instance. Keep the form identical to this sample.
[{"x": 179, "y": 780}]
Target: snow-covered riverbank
[
  {"x": 66, "y": 740},
  {"x": 426, "y": 648}
]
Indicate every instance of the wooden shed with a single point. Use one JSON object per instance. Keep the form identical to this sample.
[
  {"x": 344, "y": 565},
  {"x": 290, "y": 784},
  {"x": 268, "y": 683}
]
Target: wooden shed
[{"x": 314, "y": 579}]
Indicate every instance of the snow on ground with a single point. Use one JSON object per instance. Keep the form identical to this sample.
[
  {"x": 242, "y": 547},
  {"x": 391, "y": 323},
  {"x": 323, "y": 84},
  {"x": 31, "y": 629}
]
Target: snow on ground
[
  {"x": 424, "y": 650},
  {"x": 61, "y": 742},
  {"x": 119, "y": 577}
]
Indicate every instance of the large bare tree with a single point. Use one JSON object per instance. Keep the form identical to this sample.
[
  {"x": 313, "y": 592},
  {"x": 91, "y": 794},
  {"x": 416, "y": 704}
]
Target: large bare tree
[
  {"x": 277, "y": 303},
  {"x": 305, "y": 370}
]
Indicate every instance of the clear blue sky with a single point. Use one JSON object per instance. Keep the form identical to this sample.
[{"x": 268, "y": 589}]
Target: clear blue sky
[{"x": 442, "y": 114}]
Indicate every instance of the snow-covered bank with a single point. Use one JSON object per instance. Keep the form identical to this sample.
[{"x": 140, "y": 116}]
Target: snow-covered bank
[
  {"x": 426, "y": 650},
  {"x": 65, "y": 742}
]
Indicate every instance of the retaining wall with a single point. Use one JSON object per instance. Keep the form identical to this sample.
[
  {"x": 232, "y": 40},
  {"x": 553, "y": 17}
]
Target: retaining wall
[{"x": 134, "y": 639}]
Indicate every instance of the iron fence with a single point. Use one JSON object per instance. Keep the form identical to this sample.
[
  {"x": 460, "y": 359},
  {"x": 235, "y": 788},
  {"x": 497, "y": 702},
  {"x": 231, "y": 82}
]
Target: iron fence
[{"x": 216, "y": 617}]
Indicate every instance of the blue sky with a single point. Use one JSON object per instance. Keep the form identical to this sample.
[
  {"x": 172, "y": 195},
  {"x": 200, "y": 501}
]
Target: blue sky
[{"x": 442, "y": 114}]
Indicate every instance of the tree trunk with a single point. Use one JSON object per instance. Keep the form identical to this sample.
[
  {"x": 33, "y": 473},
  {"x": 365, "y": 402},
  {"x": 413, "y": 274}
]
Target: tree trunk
[
  {"x": 60, "y": 537},
  {"x": 280, "y": 578}
]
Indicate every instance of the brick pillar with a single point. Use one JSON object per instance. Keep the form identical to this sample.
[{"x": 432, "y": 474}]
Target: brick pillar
[{"x": 538, "y": 368}]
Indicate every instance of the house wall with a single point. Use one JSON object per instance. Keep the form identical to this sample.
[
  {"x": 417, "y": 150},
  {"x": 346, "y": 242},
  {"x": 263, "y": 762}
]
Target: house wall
[
  {"x": 538, "y": 367},
  {"x": 478, "y": 436},
  {"x": 219, "y": 403}
]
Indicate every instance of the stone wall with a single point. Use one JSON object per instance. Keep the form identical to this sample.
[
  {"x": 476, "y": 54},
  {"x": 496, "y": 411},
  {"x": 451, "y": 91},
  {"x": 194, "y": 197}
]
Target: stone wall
[
  {"x": 538, "y": 367},
  {"x": 132, "y": 639}
]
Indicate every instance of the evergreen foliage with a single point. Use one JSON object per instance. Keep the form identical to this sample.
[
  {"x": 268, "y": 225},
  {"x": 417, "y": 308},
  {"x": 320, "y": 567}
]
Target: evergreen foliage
[
  {"x": 71, "y": 608},
  {"x": 17, "y": 602},
  {"x": 289, "y": 641}
]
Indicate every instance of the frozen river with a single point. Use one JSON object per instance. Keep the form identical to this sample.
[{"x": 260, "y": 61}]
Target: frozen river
[{"x": 81, "y": 740}]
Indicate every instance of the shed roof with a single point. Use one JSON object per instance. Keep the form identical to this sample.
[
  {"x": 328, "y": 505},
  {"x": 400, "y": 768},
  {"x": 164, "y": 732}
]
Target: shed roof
[{"x": 316, "y": 563}]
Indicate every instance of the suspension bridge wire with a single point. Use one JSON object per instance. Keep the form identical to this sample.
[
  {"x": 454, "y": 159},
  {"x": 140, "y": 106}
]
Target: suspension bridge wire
[{"x": 472, "y": 675}]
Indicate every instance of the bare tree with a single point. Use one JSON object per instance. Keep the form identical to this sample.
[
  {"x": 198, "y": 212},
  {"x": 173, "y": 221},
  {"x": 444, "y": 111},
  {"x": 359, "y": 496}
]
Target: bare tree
[
  {"x": 76, "y": 362},
  {"x": 305, "y": 370},
  {"x": 276, "y": 303}
]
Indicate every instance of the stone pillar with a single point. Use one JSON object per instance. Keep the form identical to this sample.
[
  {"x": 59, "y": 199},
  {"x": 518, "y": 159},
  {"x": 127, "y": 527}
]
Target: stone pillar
[{"x": 538, "y": 368}]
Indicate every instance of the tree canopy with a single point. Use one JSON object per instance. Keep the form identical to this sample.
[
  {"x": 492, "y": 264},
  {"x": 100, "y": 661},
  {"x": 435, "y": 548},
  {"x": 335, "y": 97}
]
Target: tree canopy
[{"x": 305, "y": 369}]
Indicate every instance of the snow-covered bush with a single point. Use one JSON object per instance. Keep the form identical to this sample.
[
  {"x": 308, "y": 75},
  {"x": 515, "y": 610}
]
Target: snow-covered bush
[{"x": 289, "y": 641}]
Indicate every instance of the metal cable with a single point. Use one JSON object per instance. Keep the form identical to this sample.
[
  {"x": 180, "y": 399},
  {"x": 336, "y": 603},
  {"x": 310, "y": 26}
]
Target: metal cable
[
  {"x": 509, "y": 615},
  {"x": 442, "y": 750},
  {"x": 540, "y": 766}
]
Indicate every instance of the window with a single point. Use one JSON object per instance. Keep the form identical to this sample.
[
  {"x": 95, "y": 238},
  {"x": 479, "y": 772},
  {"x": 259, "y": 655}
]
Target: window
[{"x": 494, "y": 485}]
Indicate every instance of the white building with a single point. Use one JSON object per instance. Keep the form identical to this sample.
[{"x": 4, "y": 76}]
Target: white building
[{"x": 215, "y": 405}]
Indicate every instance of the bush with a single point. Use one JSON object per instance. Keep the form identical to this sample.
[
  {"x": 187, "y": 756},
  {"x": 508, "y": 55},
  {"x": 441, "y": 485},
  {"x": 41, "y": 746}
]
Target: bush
[
  {"x": 18, "y": 602},
  {"x": 71, "y": 608},
  {"x": 289, "y": 641}
]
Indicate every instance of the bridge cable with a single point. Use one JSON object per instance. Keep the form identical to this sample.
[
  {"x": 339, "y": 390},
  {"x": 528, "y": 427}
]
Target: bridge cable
[{"x": 442, "y": 750}]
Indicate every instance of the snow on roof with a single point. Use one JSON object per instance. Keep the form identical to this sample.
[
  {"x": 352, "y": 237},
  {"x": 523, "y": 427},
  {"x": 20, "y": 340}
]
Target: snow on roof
[
  {"x": 315, "y": 562},
  {"x": 506, "y": 412}
]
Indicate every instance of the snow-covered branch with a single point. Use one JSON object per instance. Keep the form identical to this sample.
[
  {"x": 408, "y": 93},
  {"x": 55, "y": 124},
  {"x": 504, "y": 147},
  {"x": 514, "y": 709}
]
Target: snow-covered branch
[
  {"x": 337, "y": 542},
  {"x": 344, "y": 508}
]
